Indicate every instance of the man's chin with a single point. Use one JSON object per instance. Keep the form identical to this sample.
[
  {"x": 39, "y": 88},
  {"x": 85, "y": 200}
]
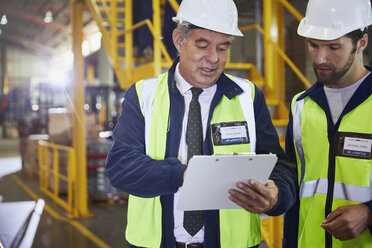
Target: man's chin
[
  {"x": 326, "y": 82},
  {"x": 323, "y": 79}
]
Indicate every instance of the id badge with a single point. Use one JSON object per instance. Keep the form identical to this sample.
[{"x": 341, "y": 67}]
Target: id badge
[
  {"x": 230, "y": 133},
  {"x": 354, "y": 145}
]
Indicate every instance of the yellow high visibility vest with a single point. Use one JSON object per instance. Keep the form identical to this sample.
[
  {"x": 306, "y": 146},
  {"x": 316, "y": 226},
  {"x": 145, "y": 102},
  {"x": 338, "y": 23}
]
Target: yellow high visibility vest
[
  {"x": 352, "y": 174},
  {"x": 238, "y": 228}
]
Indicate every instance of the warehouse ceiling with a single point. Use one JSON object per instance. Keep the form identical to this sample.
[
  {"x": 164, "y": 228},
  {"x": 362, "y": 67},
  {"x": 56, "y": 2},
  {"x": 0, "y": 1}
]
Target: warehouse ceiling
[{"x": 26, "y": 26}]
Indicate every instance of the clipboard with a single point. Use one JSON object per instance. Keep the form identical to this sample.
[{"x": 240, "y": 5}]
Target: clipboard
[{"x": 208, "y": 179}]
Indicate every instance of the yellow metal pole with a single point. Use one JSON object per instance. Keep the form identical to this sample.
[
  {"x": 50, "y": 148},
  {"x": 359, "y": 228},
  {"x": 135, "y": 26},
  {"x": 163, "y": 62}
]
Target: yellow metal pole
[
  {"x": 157, "y": 35},
  {"x": 41, "y": 165},
  {"x": 70, "y": 181},
  {"x": 270, "y": 34},
  {"x": 55, "y": 172},
  {"x": 114, "y": 31},
  {"x": 174, "y": 5},
  {"x": 128, "y": 39},
  {"x": 272, "y": 232},
  {"x": 274, "y": 64},
  {"x": 6, "y": 85},
  {"x": 292, "y": 9},
  {"x": 72, "y": 176},
  {"x": 78, "y": 99},
  {"x": 278, "y": 13},
  {"x": 293, "y": 66},
  {"x": 278, "y": 231},
  {"x": 47, "y": 168}
]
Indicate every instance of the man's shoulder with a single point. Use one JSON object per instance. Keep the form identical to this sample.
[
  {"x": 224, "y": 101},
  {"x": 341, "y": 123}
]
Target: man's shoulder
[
  {"x": 313, "y": 90},
  {"x": 154, "y": 78},
  {"x": 150, "y": 82},
  {"x": 238, "y": 79},
  {"x": 243, "y": 83}
]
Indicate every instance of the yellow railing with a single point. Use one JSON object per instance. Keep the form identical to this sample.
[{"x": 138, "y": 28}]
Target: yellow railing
[
  {"x": 282, "y": 54},
  {"x": 126, "y": 70},
  {"x": 299, "y": 17},
  {"x": 57, "y": 185},
  {"x": 291, "y": 9},
  {"x": 151, "y": 28}
]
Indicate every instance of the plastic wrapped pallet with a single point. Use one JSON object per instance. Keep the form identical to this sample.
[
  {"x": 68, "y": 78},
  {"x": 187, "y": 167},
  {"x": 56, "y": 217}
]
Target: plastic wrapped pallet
[{"x": 98, "y": 183}]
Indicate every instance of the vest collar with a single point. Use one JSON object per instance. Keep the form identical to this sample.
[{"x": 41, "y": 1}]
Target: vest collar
[
  {"x": 317, "y": 94},
  {"x": 314, "y": 91},
  {"x": 225, "y": 85}
]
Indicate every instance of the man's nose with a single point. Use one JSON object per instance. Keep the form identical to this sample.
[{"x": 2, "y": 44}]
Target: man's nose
[
  {"x": 320, "y": 56},
  {"x": 212, "y": 55}
]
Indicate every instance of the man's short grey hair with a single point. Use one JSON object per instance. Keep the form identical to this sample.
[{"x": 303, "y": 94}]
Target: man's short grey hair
[
  {"x": 183, "y": 28},
  {"x": 185, "y": 31}
]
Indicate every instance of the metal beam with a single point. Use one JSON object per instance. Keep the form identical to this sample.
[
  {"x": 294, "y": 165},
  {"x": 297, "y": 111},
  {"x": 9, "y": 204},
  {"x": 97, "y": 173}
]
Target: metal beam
[
  {"x": 32, "y": 7},
  {"x": 40, "y": 49},
  {"x": 78, "y": 100},
  {"x": 39, "y": 21}
]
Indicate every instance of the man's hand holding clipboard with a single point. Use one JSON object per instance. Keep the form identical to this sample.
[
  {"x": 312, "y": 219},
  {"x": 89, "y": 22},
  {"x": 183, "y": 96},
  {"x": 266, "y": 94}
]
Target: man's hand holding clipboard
[
  {"x": 209, "y": 181},
  {"x": 257, "y": 198}
]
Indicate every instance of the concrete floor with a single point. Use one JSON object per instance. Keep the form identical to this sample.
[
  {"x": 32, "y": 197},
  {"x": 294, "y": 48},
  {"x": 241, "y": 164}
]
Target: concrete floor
[{"x": 104, "y": 229}]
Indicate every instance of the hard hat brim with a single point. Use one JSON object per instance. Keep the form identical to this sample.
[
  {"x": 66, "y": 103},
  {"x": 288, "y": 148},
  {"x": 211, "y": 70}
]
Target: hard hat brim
[
  {"x": 220, "y": 30},
  {"x": 321, "y": 33}
]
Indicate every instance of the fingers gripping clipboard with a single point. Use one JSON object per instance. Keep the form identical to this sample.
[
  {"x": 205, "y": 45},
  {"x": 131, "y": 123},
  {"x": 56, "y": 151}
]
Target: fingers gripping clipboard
[{"x": 208, "y": 179}]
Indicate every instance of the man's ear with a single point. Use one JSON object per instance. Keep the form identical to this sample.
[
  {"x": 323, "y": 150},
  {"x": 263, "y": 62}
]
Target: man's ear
[
  {"x": 177, "y": 40},
  {"x": 362, "y": 43}
]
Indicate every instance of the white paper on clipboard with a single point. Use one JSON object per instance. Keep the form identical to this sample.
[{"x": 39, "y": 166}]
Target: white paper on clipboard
[{"x": 208, "y": 179}]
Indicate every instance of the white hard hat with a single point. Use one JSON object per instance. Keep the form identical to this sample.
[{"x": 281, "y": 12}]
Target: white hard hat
[
  {"x": 216, "y": 15},
  {"x": 332, "y": 19}
]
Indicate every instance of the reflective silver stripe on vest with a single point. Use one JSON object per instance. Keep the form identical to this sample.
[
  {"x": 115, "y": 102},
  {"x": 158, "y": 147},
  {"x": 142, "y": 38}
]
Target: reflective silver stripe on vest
[
  {"x": 147, "y": 103},
  {"x": 246, "y": 103},
  {"x": 297, "y": 135},
  {"x": 341, "y": 191}
]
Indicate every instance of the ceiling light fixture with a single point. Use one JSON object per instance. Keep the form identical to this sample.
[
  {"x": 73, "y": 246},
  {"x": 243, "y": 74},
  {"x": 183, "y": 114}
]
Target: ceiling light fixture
[
  {"x": 3, "y": 20},
  {"x": 48, "y": 17}
]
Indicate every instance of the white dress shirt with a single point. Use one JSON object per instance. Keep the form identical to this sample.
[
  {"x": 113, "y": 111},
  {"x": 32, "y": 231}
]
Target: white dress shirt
[{"x": 205, "y": 100}]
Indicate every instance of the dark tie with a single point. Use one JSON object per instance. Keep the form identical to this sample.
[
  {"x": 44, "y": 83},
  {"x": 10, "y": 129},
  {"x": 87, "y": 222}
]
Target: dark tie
[{"x": 193, "y": 220}]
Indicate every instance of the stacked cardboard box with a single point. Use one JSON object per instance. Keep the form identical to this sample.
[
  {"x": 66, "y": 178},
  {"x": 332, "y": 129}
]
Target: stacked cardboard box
[
  {"x": 30, "y": 157},
  {"x": 60, "y": 126}
]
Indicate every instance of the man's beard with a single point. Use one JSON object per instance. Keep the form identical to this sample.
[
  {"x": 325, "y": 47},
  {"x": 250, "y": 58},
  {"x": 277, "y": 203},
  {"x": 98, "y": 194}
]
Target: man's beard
[{"x": 336, "y": 74}]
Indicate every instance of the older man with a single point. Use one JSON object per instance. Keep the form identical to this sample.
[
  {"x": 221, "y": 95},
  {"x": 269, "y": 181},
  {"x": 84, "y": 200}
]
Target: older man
[{"x": 167, "y": 119}]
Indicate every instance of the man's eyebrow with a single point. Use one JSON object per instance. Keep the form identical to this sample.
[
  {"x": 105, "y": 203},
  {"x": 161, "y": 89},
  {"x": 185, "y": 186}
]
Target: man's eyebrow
[
  {"x": 227, "y": 43},
  {"x": 309, "y": 41},
  {"x": 328, "y": 44},
  {"x": 334, "y": 44},
  {"x": 201, "y": 40}
]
